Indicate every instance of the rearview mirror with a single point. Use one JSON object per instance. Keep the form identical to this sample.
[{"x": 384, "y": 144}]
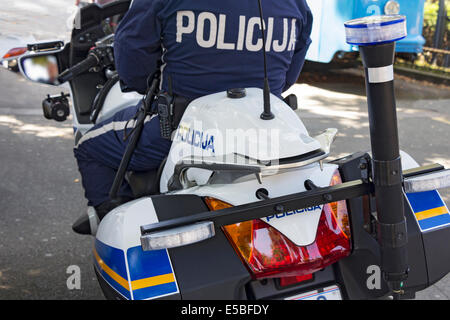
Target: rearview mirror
[{"x": 42, "y": 68}]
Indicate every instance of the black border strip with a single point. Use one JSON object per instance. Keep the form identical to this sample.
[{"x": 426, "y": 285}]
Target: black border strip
[
  {"x": 261, "y": 209},
  {"x": 266, "y": 208}
]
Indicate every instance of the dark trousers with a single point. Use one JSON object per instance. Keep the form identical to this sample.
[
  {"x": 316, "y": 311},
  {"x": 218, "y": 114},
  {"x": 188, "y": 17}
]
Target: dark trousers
[{"x": 99, "y": 153}]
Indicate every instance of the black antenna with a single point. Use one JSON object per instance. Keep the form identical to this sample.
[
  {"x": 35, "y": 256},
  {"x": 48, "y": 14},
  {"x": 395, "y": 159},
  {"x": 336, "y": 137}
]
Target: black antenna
[{"x": 267, "y": 114}]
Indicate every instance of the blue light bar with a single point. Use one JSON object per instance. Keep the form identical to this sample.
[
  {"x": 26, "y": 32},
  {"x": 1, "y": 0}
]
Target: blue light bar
[{"x": 375, "y": 30}]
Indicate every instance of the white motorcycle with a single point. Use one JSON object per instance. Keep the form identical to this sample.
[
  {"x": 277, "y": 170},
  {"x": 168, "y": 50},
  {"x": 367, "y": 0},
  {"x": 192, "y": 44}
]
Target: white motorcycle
[{"x": 246, "y": 205}]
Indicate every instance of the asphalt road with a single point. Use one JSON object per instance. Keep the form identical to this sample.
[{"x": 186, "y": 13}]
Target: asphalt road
[
  {"x": 40, "y": 195},
  {"x": 25, "y": 21},
  {"x": 40, "y": 192},
  {"x": 39, "y": 200}
]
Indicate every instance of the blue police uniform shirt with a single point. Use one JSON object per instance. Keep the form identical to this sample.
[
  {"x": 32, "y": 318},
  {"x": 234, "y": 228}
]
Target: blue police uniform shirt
[{"x": 210, "y": 46}]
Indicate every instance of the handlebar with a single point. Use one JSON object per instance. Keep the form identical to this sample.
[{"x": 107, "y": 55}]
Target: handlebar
[{"x": 91, "y": 61}]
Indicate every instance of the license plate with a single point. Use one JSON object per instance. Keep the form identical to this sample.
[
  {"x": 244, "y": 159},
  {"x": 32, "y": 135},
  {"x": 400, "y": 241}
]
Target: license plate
[{"x": 328, "y": 293}]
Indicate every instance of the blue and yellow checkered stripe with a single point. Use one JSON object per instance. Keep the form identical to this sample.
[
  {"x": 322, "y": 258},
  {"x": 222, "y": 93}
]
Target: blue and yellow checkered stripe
[
  {"x": 429, "y": 209},
  {"x": 150, "y": 273}
]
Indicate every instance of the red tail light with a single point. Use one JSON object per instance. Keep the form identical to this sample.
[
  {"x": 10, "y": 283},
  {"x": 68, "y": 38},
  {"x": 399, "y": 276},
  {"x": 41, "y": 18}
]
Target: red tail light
[
  {"x": 289, "y": 281},
  {"x": 15, "y": 52},
  {"x": 269, "y": 254}
]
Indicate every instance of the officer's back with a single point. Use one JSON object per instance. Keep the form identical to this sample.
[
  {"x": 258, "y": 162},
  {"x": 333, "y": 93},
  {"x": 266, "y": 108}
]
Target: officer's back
[{"x": 210, "y": 46}]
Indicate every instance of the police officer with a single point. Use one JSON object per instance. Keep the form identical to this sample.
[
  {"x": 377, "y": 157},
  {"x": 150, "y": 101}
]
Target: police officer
[{"x": 206, "y": 46}]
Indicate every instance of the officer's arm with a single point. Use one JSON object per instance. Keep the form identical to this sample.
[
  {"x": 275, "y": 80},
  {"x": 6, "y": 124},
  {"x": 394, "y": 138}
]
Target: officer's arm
[
  {"x": 301, "y": 47},
  {"x": 137, "y": 45}
]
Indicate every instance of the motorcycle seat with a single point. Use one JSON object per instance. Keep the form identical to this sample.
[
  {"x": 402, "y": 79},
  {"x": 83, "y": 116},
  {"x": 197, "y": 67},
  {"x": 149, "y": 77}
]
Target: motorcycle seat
[{"x": 145, "y": 183}]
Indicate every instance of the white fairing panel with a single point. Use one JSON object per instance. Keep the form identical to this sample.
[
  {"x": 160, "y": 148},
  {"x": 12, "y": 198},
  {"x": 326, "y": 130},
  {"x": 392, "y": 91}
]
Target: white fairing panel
[
  {"x": 118, "y": 256},
  {"x": 300, "y": 225},
  {"x": 121, "y": 227},
  {"x": 117, "y": 100},
  {"x": 218, "y": 126}
]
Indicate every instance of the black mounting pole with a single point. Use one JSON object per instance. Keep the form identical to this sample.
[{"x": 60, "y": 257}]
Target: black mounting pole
[
  {"x": 378, "y": 62},
  {"x": 267, "y": 113},
  {"x": 143, "y": 112}
]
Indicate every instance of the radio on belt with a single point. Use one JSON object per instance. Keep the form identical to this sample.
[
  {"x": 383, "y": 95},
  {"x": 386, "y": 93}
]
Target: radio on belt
[{"x": 165, "y": 113}]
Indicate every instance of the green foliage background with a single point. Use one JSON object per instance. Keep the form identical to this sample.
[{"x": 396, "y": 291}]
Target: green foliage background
[{"x": 430, "y": 18}]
